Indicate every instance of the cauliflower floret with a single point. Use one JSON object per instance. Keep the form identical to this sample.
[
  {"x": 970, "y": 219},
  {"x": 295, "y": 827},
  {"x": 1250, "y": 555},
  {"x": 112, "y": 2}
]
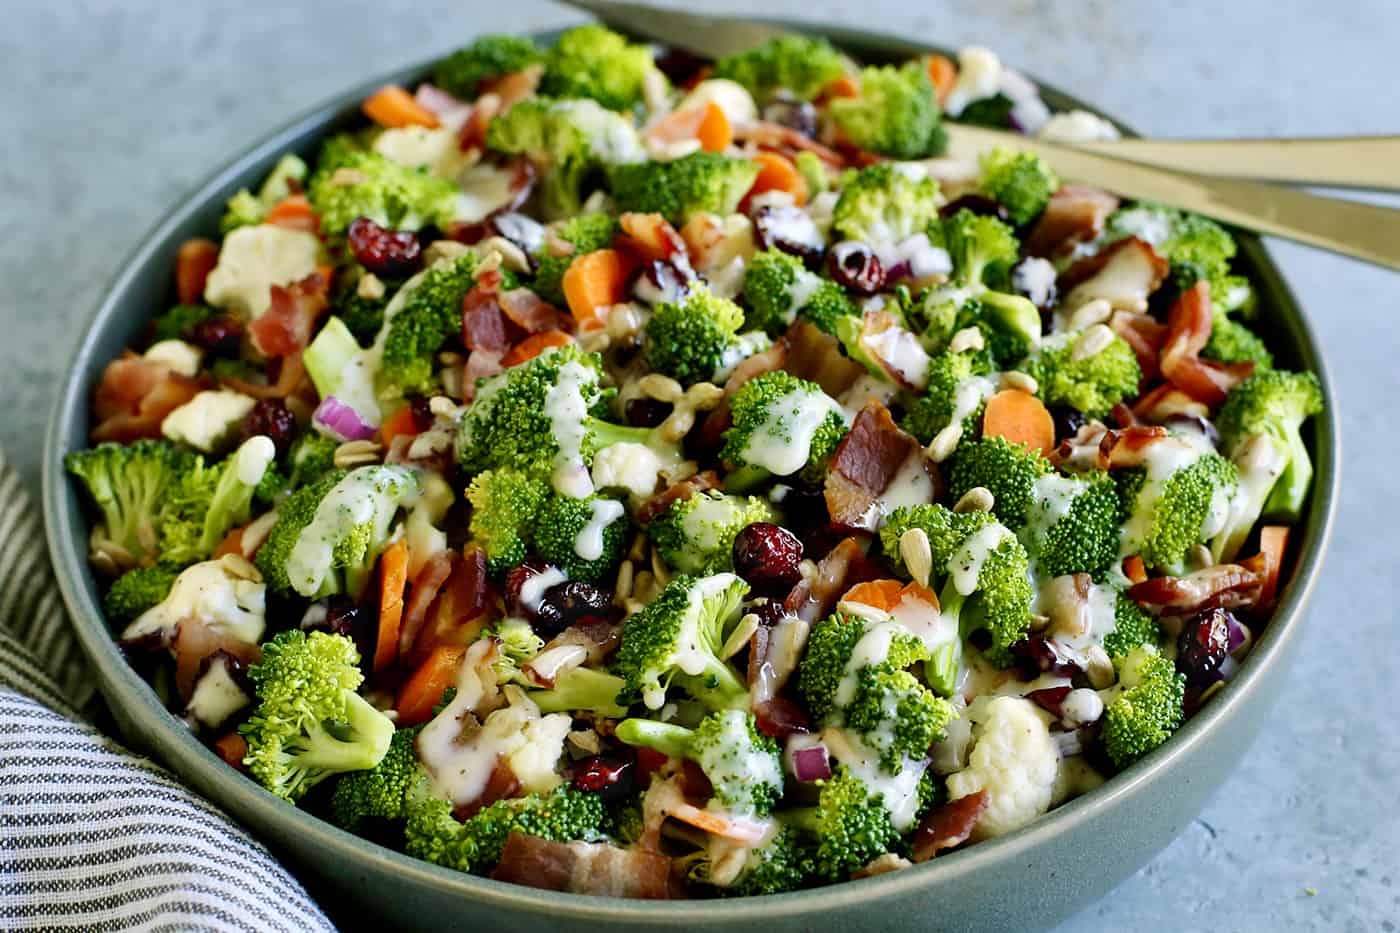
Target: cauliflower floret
[
  {"x": 729, "y": 96},
  {"x": 183, "y": 358},
  {"x": 629, "y": 466},
  {"x": 209, "y": 420},
  {"x": 255, "y": 258},
  {"x": 1013, "y": 759},
  {"x": 1077, "y": 126},
  {"x": 227, "y": 595},
  {"x": 420, "y": 147},
  {"x": 979, "y": 77}
]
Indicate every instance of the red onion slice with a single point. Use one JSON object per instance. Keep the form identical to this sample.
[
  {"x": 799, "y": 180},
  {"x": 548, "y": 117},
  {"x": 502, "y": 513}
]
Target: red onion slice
[
  {"x": 810, "y": 763},
  {"x": 338, "y": 420}
]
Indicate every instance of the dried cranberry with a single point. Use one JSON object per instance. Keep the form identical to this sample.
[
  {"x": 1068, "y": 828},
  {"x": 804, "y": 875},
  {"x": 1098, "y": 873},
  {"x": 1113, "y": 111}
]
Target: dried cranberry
[
  {"x": 780, "y": 717},
  {"x": 219, "y": 334},
  {"x": 515, "y": 581},
  {"x": 1040, "y": 655},
  {"x": 610, "y": 778},
  {"x": 1050, "y": 699},
  {"x": 789, "y": 230},
  {"x": 1068, "y": 420},
  {"x": 978, "y": 204},
  {"x": 680, "y": 66},
  {"x": 341, "y": 615},
  {"x": 647, "y": 412},
  {"x": 767, "y": 557},
  {"x": 1203, "y": 646},
  {"x": 271, "y": 418},
  {"x": 391, "y": 254},
  {"x": 422, "y": 413},
  {"x": 570, "y": 603},
  {"x": 769, "y": 611},
  {"x": 786, "y": 110},
  {"x": 855, "y": 266}
]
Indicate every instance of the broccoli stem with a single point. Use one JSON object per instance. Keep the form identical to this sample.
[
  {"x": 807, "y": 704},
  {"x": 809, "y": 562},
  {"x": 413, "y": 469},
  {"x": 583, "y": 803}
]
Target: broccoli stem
[
  {"x": 942, "y": 669},
  {"x": 718, "y": 687},
  {"x": 1285, "y": 502},
  {"x": 668, "y": 739},
  {"x": 368, "y": 734},
  {"x": 583, "y": 688}
]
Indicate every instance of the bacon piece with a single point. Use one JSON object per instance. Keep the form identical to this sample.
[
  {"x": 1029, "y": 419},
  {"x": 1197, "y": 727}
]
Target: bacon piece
[
  {"x": 589, "y": 868},
  {"x": 483, "y": 324},
  {"x": 949, "y": 825},
  {"x": 843, "y": 567},
  {"x": 459, "y": 611},
  {"x": 285, "y": 327},
  {"x": 501, "y": 784},
  {"x": 1166, "y": 401},
  {"x": 194, "y": 260},
  {"x": 1127, "y": 447},
  {"x": 651, "y": 238},
  {"x": 472, "y": 135},
  {"x": 785, "y": 139},
  {"x": 1124, "y": 274},
  {"x": 676, "y": 492},
  {"x": 1145, "y": 334},
  {"x": 864, "y": 464},
  {"x": 134, "y": 396},
  {"x": 423, "y": 589},
  {"x": 514, "y": 87},
  {"x": 1224, "y": 586},
  {"x": 780, "y": 718},
  {"x": 1188, "y": 330},
  {"x": 1075, "y": 215},
  {"x": 533, "y": 314},
  {"x": 816, "y": 356}
]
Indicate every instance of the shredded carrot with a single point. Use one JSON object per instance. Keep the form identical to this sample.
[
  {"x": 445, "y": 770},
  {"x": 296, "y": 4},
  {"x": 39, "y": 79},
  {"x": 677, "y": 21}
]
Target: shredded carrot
[
  {"x": 232, "y": 543},
  {"x": 424, "y": 690},
  {"x": 294, "y": 213},
  {"x": 878, "y": 594},
  {"x": 776, "y": 172},
  {"x": 1273, "y": 543},
  {"x": 391, "y": 106},
  {"x": 533, "y": 345},
  {"x": 393, "y": 577},
  {"x": 943, "y": 74},
  {"x": 1021, "y": 418},
  {"x": 195, "y": 259},
  {"x": 402, "y": 423},
  {"x": 232, "y": 748},
  {"x": 595, "y": 281},
  {"x": 1133, "y": 569},
  {"x": 714, "y": 132},
  {"x": 844, "y": 86}
]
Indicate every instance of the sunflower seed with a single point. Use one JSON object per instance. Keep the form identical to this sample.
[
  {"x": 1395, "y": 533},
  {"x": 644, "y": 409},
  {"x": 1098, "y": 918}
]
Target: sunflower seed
[
  {"x": 1090, "y": 313},
  {"x": 969, "y": 338},
  {"x": 1092, "y": 342},
  {"x": 944, "y": 443},
  {"x": 357, "y": 453},
  {"x": 976, "y": 499},
  {"x": 918, "y": 556},
  {"x": 1020, "y": 382}
]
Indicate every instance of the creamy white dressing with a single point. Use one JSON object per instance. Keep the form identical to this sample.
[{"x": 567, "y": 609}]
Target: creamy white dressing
[
  {"x": 1052, "y": 496},
  {"x": 216, "y": 696},
  {"x": 1149, "y": 225},
  {"x": 910, "y": 485},
  {"x": 1035, "y": 278},
  {"x": 971, "y": 393},
  {"x": 364, "y": 495},
  {"x": 965, "y": 565},
  {"x": 806, "y": 286},
  {"x": 566, "y": 409},
  {"x": 900, "y": 352},
  {"x": 783, "y": 442},
  {"x": 900, "y": 791},
  {"x": 739, "y": 762},
  {"x": 589, "y": 542},
  {"x": 1162, "y": 458},
  {"x": 251, "y": 459}
]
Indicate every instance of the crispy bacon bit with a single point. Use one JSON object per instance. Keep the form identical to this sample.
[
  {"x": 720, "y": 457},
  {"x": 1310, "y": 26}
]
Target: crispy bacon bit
[
  {"x": 842, "y": 568},
  {"x": 514, "y": 87},
  {"x": 1127, "y": 448},
  {"x": 533, "y": 314},
  {"x": 676, "y": 492},
  {"x": 1124, "y": 274},
  {"x": 472, "y": 135},
  {"x": 1145, "y": 334},
  {"x": 589, "y": 868},
  {"x": 194, "y": 260},
  {"x": 865, "y": 462},
  {"x": 422, "y": 591},
  {"x": 458, "y": 613},
  {"x": 1188, "y": 330},
  {"x": 816, "y": 356},
  {"x": 1081, "y": 452},
  {"x": 285, "y": 327},
  {"x": 1075, "y": 215},
  {"x": 1166, "y": 401},
  {"x": 483, "y": 325},
  {"x": 134, "y": 396},
  {"x": 786, "y": 140},
  {"x": 481, "y": 364},
  {"x": 1224, "y": 586},
  {"x": 949, "y": 825}
]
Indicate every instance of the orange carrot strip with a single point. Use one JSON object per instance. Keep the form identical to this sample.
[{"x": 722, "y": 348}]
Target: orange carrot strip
[
  {"x": 294, "y": 212},
  {"x": 232, "y": 748},
  {"x": 195, "y": 259},
  {"x": 777, "y": 173},
  {"x": 844, "y": 86},
  {"x": 879, "y": 594},
  {"x": 422, "y": 691},
  {"x": 232, "y": 544},
  {"x": 393, "y": 107},
  {"x": 714, "y": 132},
  {"x": 595, "y": 280},
  {"x": 533, "y": 345},
  {"x": 1134, "y": 569},
  {"x": 393, "y": 577},
  {"x": 1021, "y": 418},
  {"x": 919, "y": 592},
  {"x": 1273, "y": 542},
  {"x": 944, "y": 74},
  {"x": 402, "y": 423}
]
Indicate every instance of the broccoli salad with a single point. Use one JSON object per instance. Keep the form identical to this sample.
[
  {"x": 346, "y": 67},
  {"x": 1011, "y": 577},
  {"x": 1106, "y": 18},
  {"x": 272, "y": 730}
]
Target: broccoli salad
[{"x": 623, "y": 474}]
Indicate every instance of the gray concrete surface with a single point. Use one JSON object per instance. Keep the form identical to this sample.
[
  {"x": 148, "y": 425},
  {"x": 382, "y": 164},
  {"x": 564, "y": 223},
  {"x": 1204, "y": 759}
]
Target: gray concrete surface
[{"x": 110, "y": 112}]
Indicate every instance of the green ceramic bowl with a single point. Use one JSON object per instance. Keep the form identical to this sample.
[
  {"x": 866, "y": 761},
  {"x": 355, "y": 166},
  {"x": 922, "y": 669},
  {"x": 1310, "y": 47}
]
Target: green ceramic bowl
[{"x": 1026, "y": 880}]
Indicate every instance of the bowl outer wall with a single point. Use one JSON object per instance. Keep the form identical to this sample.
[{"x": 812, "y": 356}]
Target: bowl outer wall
[{"x": 1026, "y": 880}]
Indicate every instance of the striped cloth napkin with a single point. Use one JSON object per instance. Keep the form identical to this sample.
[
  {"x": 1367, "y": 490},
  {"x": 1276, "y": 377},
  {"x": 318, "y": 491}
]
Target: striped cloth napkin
[{"x": 91, "y": 835}]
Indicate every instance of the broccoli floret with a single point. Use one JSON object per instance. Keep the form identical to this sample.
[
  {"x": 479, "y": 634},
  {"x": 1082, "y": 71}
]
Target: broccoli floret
[
  {"x": 505, "y": 504},
  {"x": 885, "y": 204},
  {"x": 380, "y": 793},
  {"x": 741, "y": 762},
  {"x": 896, "y": 715},
  {"x": 676, "y": 639},
  {"x": 829, "y": 649},
  {"x": 433, "y": 834},
  {"x": 778, "y": 288},
  {"x": 309, "y": 723},
  {"x": 1167, "y": 516},
  {"x": 179, "y": 322},
  {"x": 129, "y": 485},
  {"x": 1198, "y": 249},
  {"x": 983, "y": 250},
  {"x": 796, "y": 64},
  {"x": 246, "y": 208},
  {"x": 986, "y": 585},
  {"x": 702, "y": 182},
  {"x": 689, "y": 339},
  {"x": 813, "y": 171},
  {"x": 1145, "y": 708},
  {"x": 366, "y": 184},
  {"x": 585, "y": 233},
  {"x": 329, "y": 534},
  {"x": 210, "y": 500},
  {"x": 957, "y": 385},
  {"x": 1261, "y": 427},
  {"x": 1232, "y": 342},
  {"x": 1093, "y": 385},
  {"x": 363, "y": 316},
  {"x": 994, "y": 111},
  {"x": 1022, "y": 182},
  {"x": 137, "y": 590},
  {"x": 462, "y": 72},
  {"x": 586, "y": 538},
  {"x": 431, "y": 313},
  {"x": 783, "y": 863},
  {"x": 569, "y": 141},
  {"x": 595, "y": 62},
  {"x": 311, "y": 457},
  {"x": 851, "y": 824},
  {"x": 782, "y": 426},
  {"x": 1132, "y": 628},
  {"x": 1009, "y": 471},
  {"x": 896, "y": 113},
  {"x": 696, "y": 535}
]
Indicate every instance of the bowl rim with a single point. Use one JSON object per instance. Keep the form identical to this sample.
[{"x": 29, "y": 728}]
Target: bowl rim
[{"x": 254, "y": 807}]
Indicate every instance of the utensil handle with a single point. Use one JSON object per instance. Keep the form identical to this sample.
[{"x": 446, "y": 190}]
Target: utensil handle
[{"x": 1345, "y": 161}]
